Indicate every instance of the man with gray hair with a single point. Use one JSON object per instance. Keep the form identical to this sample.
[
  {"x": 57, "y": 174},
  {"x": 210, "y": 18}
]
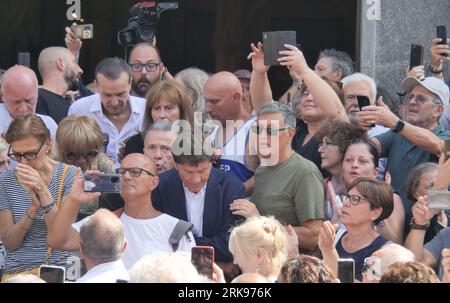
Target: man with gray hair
[
  {"x": 334, "y": 65},
  {"x": 60, "y": 73},
  {"x": 19, "y": 92},
  {"x": 102, "y": 245},
  {"x": 158, "y": 140},
  {"x": 117, "y": 113},
  {"x": 287, "y": 185}
]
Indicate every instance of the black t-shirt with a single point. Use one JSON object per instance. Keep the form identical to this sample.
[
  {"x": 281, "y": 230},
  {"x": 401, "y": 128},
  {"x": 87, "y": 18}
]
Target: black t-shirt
[
  {"x": 310, "y": 150},
  {"x": 52, "y": 105},
  {"x": 134, "y": 145}
]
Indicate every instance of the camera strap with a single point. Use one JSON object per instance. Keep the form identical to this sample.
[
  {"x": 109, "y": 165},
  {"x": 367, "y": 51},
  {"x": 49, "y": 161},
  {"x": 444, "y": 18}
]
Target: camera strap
[{"x": 181, "y": 229}]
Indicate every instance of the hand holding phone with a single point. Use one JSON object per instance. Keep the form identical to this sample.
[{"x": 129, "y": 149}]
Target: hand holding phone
[
  {"x": 202, "y": 257},
  {"x": 346, "y": 270},
  {"x": 83, "y": 31},
  {"x": 52, "y": 274},
  {"x": 273, "y": 44}
]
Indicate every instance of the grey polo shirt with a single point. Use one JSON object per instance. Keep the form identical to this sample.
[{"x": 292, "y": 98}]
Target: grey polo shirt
[
  {"x": 403, "y": 155},
  {"x": 437, "y": 245}
]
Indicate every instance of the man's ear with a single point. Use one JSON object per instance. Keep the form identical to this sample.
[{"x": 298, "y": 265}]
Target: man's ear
[
  {"x": 60, "y": 64},
  {"x": 339, "y": 73}
]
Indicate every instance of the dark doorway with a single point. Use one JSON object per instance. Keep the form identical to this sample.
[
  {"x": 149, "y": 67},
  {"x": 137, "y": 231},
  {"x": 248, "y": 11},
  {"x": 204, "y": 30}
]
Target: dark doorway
[{"x": 210, "y": 34}]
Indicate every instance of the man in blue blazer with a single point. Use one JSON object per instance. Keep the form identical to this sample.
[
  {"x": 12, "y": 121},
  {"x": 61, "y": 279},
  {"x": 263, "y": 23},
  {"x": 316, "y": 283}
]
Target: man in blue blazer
[{"x": 198, "y": 193}]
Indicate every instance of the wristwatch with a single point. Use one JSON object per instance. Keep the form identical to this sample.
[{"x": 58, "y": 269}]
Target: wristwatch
[
  {"x": 414, "y": 225},
  {"x": 399, "y": 127},
  {"x": 436, "y": 71},
  {"x": 46, "y": 209}
]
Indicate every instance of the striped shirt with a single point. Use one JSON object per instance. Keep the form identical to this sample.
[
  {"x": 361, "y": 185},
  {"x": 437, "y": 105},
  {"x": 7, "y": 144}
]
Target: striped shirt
[{"x": 32, "y": 253}]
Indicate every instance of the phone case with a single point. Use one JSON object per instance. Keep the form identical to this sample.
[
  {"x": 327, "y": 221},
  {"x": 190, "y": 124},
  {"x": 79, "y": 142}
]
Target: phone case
[
  {"x": 273, "y": 43},
  {"x": 202, "y": 257},
  {"x": 442, "y": 33},
  {"x": 102, "y": 183},
  {"x": 416, "y": 56}
]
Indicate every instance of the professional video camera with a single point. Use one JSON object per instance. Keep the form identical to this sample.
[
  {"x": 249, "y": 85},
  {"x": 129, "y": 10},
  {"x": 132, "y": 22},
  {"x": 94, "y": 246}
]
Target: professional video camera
[{"x": 143, "y": 22}]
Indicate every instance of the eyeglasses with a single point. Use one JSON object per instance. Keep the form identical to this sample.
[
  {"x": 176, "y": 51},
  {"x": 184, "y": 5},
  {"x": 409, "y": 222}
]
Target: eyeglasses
[
  {"x": 150, "y": 67},
  {"x": 28, "y": 155},
  {"x": 269, "y": 131},
  {"x": 134, "y": 171},
  {"x": 354, "y": 200},
  {"x": 77, "y": 156},
  {"x": 420, "y": 99}
]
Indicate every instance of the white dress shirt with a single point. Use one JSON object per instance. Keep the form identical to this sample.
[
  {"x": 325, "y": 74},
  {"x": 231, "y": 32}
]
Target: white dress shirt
[
  {"x": 91, "y": 106},
  {"x": 6, "y": 120},
  {"x": 106, "y": 273},
  {"x": 195, "y": 205}
]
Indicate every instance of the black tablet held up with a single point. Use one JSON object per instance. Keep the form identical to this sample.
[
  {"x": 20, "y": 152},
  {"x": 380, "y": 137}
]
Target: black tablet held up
[{"x": 273, "y": 44}]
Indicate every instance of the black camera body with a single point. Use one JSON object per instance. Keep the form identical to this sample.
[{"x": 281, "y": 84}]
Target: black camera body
[{"x": 143, "y": 22}]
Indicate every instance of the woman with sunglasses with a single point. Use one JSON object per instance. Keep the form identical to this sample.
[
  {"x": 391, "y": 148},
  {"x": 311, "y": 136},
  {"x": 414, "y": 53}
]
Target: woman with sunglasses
[
  {"x": 367, "y": 203},
  {"x": 79, "y": 141},
  {"x": 29, "y": 197}
]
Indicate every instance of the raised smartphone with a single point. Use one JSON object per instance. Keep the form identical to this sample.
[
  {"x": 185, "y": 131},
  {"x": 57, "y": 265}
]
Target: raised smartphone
[{"x": 102, "y": 183}]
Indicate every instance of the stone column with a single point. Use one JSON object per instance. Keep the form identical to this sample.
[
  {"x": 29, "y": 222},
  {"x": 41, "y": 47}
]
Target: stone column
[{"x": 388, "y": 28}]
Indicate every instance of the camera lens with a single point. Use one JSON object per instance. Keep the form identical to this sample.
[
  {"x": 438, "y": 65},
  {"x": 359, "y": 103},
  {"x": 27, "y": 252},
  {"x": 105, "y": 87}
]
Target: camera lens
[{"x": 115, "y": 179}]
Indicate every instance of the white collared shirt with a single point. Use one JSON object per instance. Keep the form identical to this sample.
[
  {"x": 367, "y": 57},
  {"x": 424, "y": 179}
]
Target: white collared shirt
[
  {"x": 195, "y": 205},
  {"x": 106, "y": 273},
  {"x": 6, "y": 120},
  {"x": 91, "y": 106}
]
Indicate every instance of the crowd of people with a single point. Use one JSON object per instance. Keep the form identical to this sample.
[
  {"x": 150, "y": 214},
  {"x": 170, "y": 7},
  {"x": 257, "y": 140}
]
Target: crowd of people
[{"x": 282, "y": 191}]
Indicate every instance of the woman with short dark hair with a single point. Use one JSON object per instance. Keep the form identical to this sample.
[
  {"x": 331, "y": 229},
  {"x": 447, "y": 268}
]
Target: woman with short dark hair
[{"x": 367, "y": 203}]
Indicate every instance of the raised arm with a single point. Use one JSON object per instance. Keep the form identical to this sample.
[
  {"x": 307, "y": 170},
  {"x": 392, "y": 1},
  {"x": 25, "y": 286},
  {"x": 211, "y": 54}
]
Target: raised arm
[
  {"x": 414, "y": 242},
  {"x": 260, "y": 90},
  {"x": 61, "y": 235},
  {"x": 437, "y": 58},
  {"x": 382, "y": 115},
  {"x": 324, "y": 95}
]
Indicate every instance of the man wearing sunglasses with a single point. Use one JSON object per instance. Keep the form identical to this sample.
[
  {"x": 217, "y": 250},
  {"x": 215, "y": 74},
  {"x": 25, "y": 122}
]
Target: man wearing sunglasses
[
  {"x": 287, "y": 185},
  {"x": 147, "y": 230}
]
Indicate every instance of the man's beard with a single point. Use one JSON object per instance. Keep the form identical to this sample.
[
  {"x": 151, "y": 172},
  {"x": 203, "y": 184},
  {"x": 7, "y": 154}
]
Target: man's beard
[
  {"x": 141, "y": 91},
  {"x": 72, "y": 81}
]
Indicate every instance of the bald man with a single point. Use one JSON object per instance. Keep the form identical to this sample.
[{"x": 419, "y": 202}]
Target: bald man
[
  {"x": 19, "y": 92},
  {"x": 146, "y": 68},
  {"x": 223, "y": 96},
  {"x": 146, "y": 229},
  {"x": 60, "y": 73},
  {"x": 102, "y": 245}
]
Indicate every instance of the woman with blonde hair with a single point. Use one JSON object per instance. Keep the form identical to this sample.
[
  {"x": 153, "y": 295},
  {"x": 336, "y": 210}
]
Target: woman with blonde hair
[
  {"x": 79, "y": 142},
  {"x": 259, "y": 246}
]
